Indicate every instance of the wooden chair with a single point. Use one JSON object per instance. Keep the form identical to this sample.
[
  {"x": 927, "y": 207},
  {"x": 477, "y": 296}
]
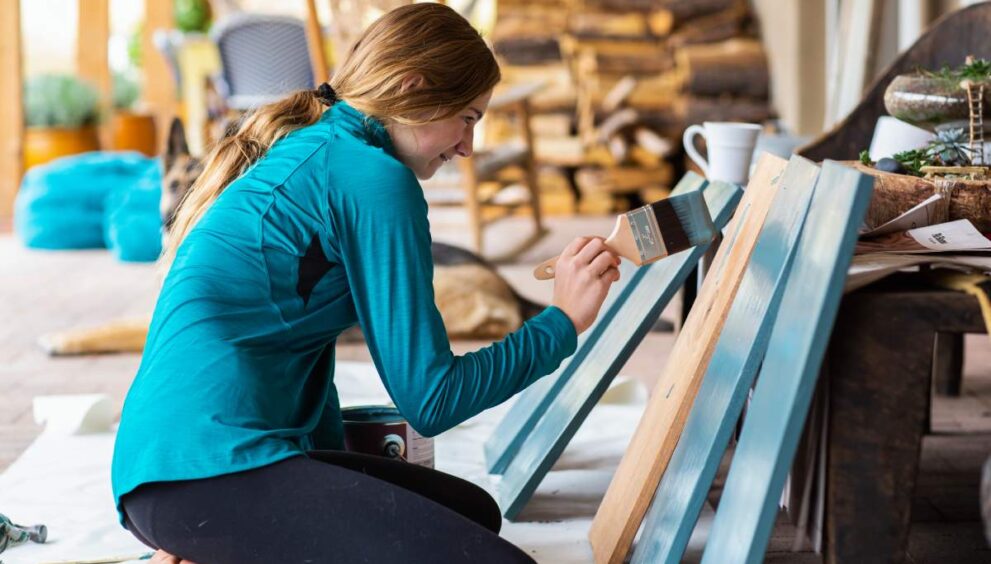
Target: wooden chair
[{"x": 492, "y": 180}]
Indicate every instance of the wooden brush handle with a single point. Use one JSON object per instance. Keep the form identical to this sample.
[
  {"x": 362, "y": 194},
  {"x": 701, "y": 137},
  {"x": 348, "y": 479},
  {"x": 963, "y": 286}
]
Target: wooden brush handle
[
  {"x": 545, "y": 270},
  {"x": 620, "y": 241}
]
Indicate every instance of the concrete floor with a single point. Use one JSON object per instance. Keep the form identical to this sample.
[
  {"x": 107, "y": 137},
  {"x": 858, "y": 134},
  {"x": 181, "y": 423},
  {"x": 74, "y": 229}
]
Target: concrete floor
[{"x": 48, "y": 291}]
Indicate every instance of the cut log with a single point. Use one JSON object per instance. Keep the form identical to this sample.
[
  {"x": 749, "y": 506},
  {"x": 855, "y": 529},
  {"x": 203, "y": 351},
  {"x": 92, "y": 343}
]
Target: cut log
[
  {"x": 558, "y": 94},
  {"x": 685, "y": 10},
  {"x": 570, "y": 152},
  {"x": 720, "y": 26},
  {"x": 895, "y": 194},
  {"x": 737, "y": 67},
  {"x": 621, "y": 179},
  {"x": 656, "y": 92},
  {"x": 605, "y": 24},
  {"x": 652, "y": 142},
  {"x": 644, "y": 158},
  {"x": 695, "y": 109},
  {"x": 528, "y": 50},
  {"x": 660, "y": 22},
  {"x": 618, "y": 94},
  {"x": 614, "y": 123},
  {"x": 618, "y": 148}
]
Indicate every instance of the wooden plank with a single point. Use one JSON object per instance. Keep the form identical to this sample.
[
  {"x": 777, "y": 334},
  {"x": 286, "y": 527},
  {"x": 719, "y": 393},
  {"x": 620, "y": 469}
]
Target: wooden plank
[
  {"x": 633, "y": 485},
  {"x": 158, "y": 90},
  {"x": 519, "y": 421},
  {"x": 92, "y": 63},
  {"x": 781, "y": 399},
  {"x": 582, "y": 390},
  {"x": 315, "y": 42},
  {"x": 742, "y": 342}
]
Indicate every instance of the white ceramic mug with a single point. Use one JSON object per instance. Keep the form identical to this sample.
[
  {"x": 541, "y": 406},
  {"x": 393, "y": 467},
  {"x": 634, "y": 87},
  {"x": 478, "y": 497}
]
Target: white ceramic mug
[{"x": 730, "y": 147}]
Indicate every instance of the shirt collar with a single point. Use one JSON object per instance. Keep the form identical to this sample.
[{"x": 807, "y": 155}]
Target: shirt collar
[{"x": 361, "y": 126}]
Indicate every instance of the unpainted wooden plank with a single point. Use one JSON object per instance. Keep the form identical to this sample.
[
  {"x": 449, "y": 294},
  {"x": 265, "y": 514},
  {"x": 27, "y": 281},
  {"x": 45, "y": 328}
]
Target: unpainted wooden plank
[
  {"x": 519, "y": 421},
  {"x": 742, "y": 342},
  {"x": 579, "y": 393},
  {"x": 636, "y": 478},
  {"x": 12, "y": 108},
  {"x": 788, "y": 376}
]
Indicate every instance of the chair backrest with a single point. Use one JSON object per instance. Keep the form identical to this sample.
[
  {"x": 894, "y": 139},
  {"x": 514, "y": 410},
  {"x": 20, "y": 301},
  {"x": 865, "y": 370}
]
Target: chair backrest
[{"x": 262, "y": 58}]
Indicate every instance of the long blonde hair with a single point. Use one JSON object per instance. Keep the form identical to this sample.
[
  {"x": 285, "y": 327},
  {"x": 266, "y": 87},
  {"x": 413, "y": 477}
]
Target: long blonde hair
[{"x": 429, "y": 40}]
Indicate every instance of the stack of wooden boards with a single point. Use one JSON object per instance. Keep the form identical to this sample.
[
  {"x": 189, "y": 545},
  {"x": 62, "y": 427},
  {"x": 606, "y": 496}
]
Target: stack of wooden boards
[
  {"x": 626, "y": 77},
  {"x": 767, "y": 305}
]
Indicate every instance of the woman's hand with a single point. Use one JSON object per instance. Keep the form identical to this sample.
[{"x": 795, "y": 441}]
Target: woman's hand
[
  {"x": 162, "y": 557},
  {"x": 582, "y": 278}
]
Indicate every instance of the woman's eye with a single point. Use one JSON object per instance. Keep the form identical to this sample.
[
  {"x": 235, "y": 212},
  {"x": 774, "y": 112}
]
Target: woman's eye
[{"x": 469, "y": 120}]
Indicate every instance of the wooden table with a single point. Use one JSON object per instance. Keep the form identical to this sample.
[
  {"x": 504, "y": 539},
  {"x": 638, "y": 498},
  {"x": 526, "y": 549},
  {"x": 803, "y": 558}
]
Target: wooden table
[{"x": 880, "y": 365}]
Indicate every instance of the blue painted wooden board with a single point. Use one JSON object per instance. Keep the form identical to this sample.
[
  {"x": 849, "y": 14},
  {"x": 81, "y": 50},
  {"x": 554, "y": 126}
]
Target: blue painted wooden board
[
  {"x": 519, "y": 421},
  {"x": 730, "y": 373},
  {"x": 585, "y": 386},
  {"x": 781, "y": 399}
]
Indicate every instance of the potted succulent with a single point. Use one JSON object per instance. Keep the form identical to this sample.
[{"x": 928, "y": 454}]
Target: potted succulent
[
  {"x": 131, "y": 129},
  {"x": 60, "y": 113}
]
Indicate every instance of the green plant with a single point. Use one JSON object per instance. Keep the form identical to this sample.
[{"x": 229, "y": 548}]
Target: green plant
[
  {"x": 951, "y": 147},
  {"x": 55, "y": 100},
  {"x": 125, "y": 91},
  {"x": 865, "y": 158},
  {"x": 192, "y": 15},
  {"x": 135, "y": 52},
  {"x": 978, "y": 70}
]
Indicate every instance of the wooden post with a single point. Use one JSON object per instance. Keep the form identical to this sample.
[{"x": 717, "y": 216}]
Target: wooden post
[
  {"x": 11, "y": 110},
  {"x": 314, "y": 38},
  {"x": 158, "y": 91},
  {"x": 92, "y": 65}
]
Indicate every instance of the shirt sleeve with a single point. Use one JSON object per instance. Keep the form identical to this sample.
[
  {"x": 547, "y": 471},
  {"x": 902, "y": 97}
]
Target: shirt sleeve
[{"x": 384, "y": 239}]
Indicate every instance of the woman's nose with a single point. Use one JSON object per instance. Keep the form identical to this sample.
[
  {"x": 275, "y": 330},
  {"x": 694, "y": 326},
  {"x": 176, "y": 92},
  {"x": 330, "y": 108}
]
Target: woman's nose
[{"x": 464, "y": 148}]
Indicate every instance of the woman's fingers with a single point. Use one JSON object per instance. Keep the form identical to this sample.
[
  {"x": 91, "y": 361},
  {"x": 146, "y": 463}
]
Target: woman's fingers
[
  {"x": 162, "y": 557},
  {"x": 576, "y": 245},
  {"x": 592, "y": 249},
  {"x": 601, "y": 264}
]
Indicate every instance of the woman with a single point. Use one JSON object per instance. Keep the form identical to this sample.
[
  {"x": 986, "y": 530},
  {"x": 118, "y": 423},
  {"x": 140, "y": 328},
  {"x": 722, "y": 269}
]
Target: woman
[{"x": 302, "y": 224}]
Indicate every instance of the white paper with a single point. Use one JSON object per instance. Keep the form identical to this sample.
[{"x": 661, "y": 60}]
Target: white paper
[
  {"x": 959, "y": 235},
  {"x": 919, "y": 216}
]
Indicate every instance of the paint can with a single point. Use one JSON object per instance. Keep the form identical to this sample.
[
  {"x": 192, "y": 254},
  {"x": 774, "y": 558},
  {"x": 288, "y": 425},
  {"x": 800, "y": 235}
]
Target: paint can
[{"x": 382, "y": 431}]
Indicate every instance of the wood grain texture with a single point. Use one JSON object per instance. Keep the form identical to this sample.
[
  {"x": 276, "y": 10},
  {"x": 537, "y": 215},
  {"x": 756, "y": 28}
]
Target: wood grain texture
[
  {"x": 516, "y": 426},
  {"x": 781, "y": 399},
  {"x": 895, "y": 194},
  {"x": 12, "y": 110},
  {"x": 639, "y": 472},
  {"x": 730, "y": 373},
  {"x": 583, "y": 388}
]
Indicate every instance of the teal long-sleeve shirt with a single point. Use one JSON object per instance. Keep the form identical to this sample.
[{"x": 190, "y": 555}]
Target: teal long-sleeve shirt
[{"x": 327, "y": 230}]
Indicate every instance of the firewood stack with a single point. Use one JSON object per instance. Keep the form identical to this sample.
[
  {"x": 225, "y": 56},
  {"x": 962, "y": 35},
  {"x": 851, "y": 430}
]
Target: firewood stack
[{"x": 643, "y": 70}]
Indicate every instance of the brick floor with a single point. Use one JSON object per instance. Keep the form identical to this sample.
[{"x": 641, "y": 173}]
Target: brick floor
[{"x": 46, "y": 291}]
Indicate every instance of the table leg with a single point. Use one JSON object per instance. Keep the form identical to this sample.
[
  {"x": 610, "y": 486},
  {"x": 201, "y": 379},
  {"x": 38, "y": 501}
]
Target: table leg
[{"x": 880, "y": 365}]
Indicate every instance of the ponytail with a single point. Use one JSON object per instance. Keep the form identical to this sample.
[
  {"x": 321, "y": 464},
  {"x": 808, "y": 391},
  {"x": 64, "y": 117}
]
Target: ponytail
[{"x": 233, "y": 155}]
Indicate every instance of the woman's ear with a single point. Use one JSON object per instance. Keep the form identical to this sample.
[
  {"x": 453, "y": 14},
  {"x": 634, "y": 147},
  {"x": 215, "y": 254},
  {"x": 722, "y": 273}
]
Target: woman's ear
[{"x": 413, "y": 81}]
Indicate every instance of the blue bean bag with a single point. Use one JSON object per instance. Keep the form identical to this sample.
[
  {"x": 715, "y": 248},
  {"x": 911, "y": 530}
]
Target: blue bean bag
[
  {"x": 132, "y": 221},
  {"x": 92, "y": 200}
]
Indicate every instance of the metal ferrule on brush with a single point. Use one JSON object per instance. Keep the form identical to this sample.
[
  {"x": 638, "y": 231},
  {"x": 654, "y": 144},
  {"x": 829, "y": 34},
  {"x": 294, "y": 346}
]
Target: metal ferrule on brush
[{"x": 646, "y": 233}]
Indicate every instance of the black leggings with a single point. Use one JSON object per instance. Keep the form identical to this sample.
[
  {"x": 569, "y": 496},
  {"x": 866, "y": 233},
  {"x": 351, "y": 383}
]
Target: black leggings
[{"x": 328, "y": 507}]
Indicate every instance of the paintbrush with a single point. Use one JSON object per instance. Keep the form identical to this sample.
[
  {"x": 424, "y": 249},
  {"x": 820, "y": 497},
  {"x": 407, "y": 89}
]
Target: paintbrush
[{"x": 654, "y": 231}]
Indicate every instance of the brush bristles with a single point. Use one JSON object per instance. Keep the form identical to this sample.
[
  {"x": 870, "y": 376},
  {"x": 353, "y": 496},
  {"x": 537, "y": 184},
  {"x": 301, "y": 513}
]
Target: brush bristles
[{"x": 684, "y": 221}]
